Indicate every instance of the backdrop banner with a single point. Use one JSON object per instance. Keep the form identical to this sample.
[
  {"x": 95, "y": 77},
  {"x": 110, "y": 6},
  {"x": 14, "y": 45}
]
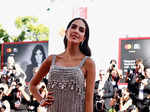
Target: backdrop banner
[
  {"x": 131, "y": 49},
  {"x": 26, "y": 55}
]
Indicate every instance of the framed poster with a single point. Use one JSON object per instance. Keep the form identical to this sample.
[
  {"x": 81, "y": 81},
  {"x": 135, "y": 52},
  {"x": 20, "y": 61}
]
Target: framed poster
[
  {"x": 0, "y": 54},
  {"x": 26, "y": 55},
  {"x": 131, "y": 49}
]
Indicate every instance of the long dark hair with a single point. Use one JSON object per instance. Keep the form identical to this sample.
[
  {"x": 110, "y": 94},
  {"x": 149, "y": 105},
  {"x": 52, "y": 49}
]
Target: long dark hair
[
  {"x": 37, "y": 47},
  {"x": 84, "y": 47}
]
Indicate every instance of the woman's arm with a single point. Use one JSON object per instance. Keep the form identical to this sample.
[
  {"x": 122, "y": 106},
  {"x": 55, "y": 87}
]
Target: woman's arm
[
  {"x": 90, "y": 83},
  {"x": 43, "y": 70}
]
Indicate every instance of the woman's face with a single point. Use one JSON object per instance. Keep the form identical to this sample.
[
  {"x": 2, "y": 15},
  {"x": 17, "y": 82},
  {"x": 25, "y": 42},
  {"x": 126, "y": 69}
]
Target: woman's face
[
  {"x": 38, "y": 56},
  {"x": 76, "y": 32}
]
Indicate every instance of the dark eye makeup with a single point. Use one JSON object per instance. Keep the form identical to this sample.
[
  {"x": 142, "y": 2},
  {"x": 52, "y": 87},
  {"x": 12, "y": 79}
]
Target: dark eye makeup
[{"x": 74, "y": 26}]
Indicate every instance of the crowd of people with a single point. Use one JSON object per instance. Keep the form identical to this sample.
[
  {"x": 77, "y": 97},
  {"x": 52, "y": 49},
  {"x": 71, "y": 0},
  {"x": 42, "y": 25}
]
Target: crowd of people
[
  {"x": 14, "y": 84},
  {"x": 14, "y": 92},
  {"x": 118, "y": 92},
  {"x": 109, "y": 94}
]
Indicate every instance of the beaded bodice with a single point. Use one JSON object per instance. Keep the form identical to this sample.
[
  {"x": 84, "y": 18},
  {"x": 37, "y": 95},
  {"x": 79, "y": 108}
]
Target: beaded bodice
[{"x": 68, "y": 85}]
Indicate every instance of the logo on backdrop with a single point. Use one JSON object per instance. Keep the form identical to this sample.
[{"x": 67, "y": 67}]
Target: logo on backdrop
[
  {"x": 127, "y": 46},
  {"x": 80, "y": 12}
]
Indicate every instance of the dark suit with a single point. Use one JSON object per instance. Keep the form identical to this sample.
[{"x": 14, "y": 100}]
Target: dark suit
[
  {"x": 134, "y": 88},
  {"x": 97, "y": 97},
  {"x": 108, "y": 92},
  {"x": 144, "y": 104}
]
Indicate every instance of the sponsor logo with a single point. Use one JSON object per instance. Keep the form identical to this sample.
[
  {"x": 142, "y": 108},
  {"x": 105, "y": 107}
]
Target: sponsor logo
[
  {"x": 8, "y": 50},
  {"x": 128, "y": 46},
  {"x": 15, "y": 50},
  {"x": 137, "y": 46}
]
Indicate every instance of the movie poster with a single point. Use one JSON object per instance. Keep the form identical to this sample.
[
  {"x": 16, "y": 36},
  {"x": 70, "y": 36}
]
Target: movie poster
[
  {"x": 27, "y": 55},
  {"x": 0, "y": 54}
]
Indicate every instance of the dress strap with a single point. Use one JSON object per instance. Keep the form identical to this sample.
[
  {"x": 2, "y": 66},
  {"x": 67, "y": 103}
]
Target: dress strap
[
  {"x": 83, "y": 61},
  {"x": 53, "y": 59}
]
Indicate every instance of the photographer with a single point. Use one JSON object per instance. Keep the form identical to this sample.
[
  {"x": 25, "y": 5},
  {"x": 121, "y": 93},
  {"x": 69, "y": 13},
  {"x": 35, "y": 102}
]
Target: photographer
[
  {"x": 113, "y": 72},
  {"x": 10, "y": 76},
  {"x": 126, "y": 101},
  {"x": 143, "y": 100},
  {"x": 4, "y": 104},
  {"x": 18, "y": 97},
  {"x": 136, "y": 78},
  {"x": 110, "y": 85},
  {"x": 139, "y": 86},
  {"x": 15, "y": 68}
]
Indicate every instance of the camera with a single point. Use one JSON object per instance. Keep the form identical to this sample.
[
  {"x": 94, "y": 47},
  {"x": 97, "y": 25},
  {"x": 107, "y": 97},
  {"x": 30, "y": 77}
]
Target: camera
[
  {"x": 140, "y": 76},
  {"x": 17, "y": 81},
  {"x": 119, "y": 91},
  {"x": 1, "y": 90},
  {"x": 113, "y": 65},
  {"x": 129, "y": 70}
]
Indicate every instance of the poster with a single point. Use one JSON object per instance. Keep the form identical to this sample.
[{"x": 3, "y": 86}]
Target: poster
[
  {"x": 131, "y": 49},
  {"x": 0, "y": 55},
  {"x": 27, "y": 55}
]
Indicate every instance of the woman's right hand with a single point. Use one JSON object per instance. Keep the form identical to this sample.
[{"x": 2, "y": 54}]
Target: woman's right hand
[{"x": 48, "y": 100}]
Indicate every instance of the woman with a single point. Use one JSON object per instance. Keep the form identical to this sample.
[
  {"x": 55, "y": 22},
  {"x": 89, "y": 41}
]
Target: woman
[
  {"x": 71, "y": 73},
  {"x": 38, "y": 56}
]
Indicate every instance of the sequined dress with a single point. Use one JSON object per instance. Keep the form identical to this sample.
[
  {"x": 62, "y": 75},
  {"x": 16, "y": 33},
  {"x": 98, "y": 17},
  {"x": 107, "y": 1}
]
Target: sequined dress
[{"x": 68, "y": 85}]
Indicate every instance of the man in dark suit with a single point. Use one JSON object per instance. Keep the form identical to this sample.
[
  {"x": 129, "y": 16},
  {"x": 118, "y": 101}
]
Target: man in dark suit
[{"x": 143, "y": 97}]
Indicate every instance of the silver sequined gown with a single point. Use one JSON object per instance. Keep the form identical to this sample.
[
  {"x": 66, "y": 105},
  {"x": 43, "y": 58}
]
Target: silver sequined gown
[{"x": 68, "y": 85}]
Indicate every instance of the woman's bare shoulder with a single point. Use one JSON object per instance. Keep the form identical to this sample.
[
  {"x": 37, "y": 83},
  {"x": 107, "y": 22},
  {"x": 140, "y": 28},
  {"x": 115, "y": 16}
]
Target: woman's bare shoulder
[
  {"x": 47, "y": 62},
  {"x": 90, "y": 61},
  {"x": 89, "y": 64},
  {"x": 49, "y": 59},
  {"x": 89, "y": 67}
]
